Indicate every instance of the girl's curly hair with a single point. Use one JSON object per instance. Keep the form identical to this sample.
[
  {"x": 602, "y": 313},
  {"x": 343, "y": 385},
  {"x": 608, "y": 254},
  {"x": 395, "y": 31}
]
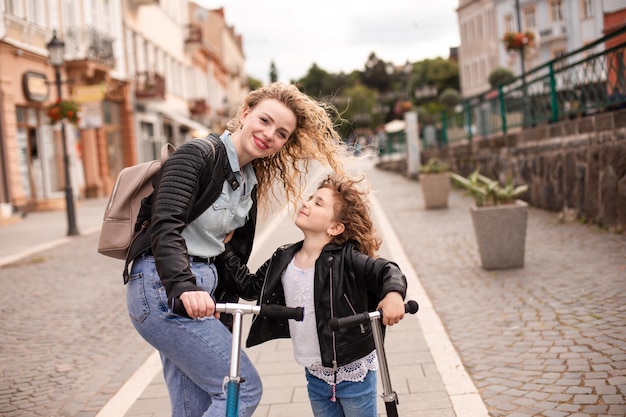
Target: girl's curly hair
[
  {"x": 314, "y": 138},
  {"x": 352, "y": 210}
]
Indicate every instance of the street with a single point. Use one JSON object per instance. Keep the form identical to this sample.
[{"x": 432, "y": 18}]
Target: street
[{"x": 548, "y": 339}]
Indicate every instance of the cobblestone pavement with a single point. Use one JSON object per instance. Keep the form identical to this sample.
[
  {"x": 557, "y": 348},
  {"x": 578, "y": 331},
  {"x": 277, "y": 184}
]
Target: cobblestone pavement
[
  {"x": 548, "y": 339},
  {"x": 60, "y": 316}
]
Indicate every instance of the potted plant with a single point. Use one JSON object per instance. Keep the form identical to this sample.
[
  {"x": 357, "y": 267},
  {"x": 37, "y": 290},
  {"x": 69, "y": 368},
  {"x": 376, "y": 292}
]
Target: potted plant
[
  {"x": 499, "y": 220},
  {"x": 514, "y": 41},
  {"x": 434, "y": 178}
]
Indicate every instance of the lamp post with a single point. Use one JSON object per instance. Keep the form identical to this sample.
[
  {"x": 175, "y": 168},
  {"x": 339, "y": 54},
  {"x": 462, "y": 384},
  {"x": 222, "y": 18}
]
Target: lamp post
[
  {"x": 56, "y": 49},
  {"x": 525, "y": 104}
]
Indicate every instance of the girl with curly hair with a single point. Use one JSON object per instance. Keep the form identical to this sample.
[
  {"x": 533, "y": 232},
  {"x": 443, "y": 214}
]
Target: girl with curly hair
[
  {"x": 205, "y": 196},
  {"x": 333, "y": 272}
]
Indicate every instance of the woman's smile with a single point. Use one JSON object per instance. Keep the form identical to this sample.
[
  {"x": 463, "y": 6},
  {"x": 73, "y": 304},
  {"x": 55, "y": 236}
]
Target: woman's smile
[{"x": 260, "y": 143}]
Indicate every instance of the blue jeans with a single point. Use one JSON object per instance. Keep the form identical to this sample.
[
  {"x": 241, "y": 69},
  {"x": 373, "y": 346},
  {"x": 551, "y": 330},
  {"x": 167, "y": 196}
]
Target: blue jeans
[
  {"x": 195, "y": 353},
  {"x": 354, "y": 399}
]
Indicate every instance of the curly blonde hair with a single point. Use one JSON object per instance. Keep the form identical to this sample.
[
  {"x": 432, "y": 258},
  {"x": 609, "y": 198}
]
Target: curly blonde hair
[
  {"x": 352, "y": 210},
  {"x": 314, "y": 138}
]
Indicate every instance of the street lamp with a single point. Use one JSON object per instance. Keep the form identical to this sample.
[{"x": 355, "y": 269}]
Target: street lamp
[
  {"x": 525, "y": 104},
  {"x": 56, "y": 49}
]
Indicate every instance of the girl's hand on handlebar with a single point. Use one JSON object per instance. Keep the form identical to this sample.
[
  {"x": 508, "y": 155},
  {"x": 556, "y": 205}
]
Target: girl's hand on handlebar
[
  {"x": 199, "y": 304},
  {"x": 393, "y": 308}
]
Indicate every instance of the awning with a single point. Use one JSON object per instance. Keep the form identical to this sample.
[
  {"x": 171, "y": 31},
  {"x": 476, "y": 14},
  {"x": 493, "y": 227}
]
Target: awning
[{"x": 185, "y": 121}]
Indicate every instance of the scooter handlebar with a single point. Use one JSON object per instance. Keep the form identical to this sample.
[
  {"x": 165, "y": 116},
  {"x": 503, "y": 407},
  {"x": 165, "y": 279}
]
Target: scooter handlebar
[
  {"x": 337, "y": 323},
  {"x": 282, "y": 312},
  {"x": 269, "y": 310}
]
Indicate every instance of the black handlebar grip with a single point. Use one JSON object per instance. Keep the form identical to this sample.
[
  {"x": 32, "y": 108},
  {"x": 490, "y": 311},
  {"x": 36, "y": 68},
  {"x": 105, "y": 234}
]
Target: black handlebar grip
[
  {"x": 282, "y": 312},
  {"x": 337, "y": 323},
  {"x": 179, "y": 308},
  {"x": 411, "y": 307}
]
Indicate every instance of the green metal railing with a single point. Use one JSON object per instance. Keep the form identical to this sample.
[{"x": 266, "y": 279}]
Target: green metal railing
[{"x": 588, "y": 80}]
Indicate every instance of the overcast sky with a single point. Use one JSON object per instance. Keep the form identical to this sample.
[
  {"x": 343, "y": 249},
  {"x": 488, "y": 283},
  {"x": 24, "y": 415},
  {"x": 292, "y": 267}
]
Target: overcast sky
[{"x": 338, "y": 35}]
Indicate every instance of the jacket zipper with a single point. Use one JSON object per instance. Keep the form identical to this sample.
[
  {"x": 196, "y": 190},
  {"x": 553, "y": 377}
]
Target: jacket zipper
[
  {"x": 353, "y": 311},
  {"x": 267, "y": 271},
  {"x": 332, "y": 314}
]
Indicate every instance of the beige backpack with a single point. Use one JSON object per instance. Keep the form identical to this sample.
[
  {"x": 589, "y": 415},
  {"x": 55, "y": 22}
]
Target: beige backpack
[{"x": 133, "y": 184}]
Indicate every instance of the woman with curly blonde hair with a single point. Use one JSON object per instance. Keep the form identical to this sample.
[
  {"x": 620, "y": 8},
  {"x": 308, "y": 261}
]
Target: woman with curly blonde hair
[
  {"x": 314, "y": 138},
  {"x": 333, "y": 272},
  {"x": 205, "y": 197}
]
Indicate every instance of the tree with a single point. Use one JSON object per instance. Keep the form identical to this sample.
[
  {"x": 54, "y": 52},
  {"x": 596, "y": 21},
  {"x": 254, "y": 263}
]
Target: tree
[
  {"x": 450, "y": 98},
  {"x": 254, "y": 84},
  {"x": 357, "y": 106},
  {"x": 375, "y": 75},
  {"x": 315, "y": 83},
  {"x": 439, "y": 73},
  {"x": 273, "y": 72},
  {"x": 500, "y": 76}
]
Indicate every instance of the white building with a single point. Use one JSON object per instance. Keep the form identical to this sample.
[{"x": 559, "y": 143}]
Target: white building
[{"x": 560, "y": 26}]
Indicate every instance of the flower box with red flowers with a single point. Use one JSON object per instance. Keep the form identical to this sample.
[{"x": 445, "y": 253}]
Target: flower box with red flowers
[
  {"x": 63, "y": 109},
  {"x": 514, "y": 41}
]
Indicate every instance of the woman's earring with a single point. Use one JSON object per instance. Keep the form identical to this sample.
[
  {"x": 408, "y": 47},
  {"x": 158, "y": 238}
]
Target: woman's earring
[{"x": 240, "y": 127}]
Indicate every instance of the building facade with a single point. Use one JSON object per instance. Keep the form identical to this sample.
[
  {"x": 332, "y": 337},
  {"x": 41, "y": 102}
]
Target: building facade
[
  {"x": 559, "y": 26},
  {"x": 32, "y": 174},
  {"x": 144, "y": 73}
]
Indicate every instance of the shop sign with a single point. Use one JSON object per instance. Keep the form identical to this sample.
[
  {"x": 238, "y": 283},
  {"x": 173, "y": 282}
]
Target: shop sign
[
  {"x": 88, "y": 93},
  {"x": 36, "y": 87}
]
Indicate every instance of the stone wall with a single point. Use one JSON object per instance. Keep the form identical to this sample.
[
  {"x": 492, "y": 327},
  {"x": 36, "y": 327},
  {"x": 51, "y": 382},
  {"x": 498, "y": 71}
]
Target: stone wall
[{"x": 576, "y": 166}]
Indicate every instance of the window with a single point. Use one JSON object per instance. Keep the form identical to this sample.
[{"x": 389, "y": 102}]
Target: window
[
  {"x": 40, "y": 167},
  {"x": 112, "y": 129},
  {"x": 14, "y": 7},
  {"x": 53, "y": 14},
  {"x": 530, "y": 17},
  {"x": 587, "y": 7},
  {"x": 556, "y": 10},
  {"x": 35, "y": 12},
  {"x": 150, "y": 146},
  {"x": 508, "y": 23},
  {"x": 556, "y": 53}
]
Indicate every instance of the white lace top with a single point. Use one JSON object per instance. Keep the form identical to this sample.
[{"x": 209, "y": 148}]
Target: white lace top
[{"x": 298, "y": 285}]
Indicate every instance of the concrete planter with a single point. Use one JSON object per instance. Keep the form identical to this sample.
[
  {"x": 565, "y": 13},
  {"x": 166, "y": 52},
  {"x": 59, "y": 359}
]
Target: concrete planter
[
  {"x": 435, "y": 189},
  {"x": 501, "y": 234}
]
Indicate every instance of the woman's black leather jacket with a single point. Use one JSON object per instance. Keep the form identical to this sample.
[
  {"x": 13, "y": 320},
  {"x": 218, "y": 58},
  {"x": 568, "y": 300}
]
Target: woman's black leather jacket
[
  {"x": 347, "y": 282},
  {"x": 190, "y": 180}
]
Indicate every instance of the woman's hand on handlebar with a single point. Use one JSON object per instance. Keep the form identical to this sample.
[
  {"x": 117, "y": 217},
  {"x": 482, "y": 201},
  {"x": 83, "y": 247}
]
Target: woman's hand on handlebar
[
  {"x": 393, "y": 308},
  {"x": 199, "y": 304}
]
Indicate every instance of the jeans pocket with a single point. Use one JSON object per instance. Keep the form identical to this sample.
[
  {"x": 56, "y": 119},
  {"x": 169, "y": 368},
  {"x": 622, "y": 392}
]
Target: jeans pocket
[
  {"x": 136, "y": 300},
  {"x": 206, "y": 277}
]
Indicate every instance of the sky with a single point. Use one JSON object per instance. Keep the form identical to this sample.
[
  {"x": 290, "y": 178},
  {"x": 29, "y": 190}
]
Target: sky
[{"x": 338, "y": 35}]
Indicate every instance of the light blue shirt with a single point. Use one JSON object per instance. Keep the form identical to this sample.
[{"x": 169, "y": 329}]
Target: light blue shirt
[{"x": 205, "y": 235}]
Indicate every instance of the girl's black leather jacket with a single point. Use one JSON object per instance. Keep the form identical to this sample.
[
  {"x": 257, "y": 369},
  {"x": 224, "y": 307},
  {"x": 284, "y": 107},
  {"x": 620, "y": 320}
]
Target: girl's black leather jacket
[
  {"x": 190, "y": 180},
  {"x": 347, "y": 282}
]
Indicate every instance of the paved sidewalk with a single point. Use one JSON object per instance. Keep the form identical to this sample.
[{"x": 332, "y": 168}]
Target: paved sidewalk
[{"x": 39, "y": 231}]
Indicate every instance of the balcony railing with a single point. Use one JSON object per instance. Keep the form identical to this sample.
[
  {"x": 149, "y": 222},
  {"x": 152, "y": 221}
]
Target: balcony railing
[
  {"x": 553, "y": 32},
  {"x": 149, "y": 86},
  {"x": 198, "y": 107},
  {"x": 194, "y": 34},
  {"x": 87, "y": 43},
  {"x": 143, "y": 2}
]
